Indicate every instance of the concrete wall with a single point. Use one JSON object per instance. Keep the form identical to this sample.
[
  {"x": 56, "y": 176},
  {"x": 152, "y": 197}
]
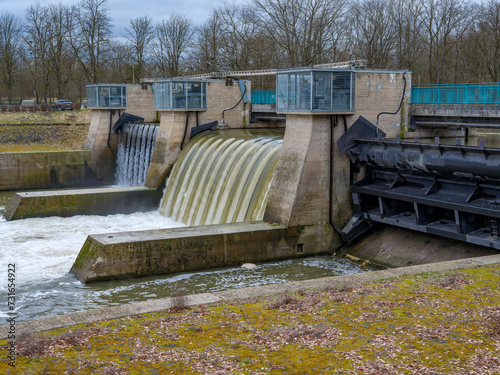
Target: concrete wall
[
  {"x": 379, "y": 91},
  {"x": 159, "y": 252},
  {"x": 396, "y": 247},
  {"x": 102, "y": 141},
  {"x": 221, "y": 96},
  {"x": 140, "y": 102},
  {"x": 100, "y": 201},
  {"x": 456, "y": 110},
  {"x": 46, "y": 170}
]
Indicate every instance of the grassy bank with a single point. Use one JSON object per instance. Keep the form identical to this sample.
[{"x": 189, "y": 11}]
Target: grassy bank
[
  {"x": 81, "y": 117},
  {"x": 44, "y": 131},
  {"x": 432, "y": 323}
]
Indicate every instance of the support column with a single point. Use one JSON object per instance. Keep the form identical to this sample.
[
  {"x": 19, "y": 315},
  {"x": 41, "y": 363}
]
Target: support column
[
  {"x": 299, "y": 195},
  {"x": 104, "y": 143},
  {"x": 168, "y": 145}
]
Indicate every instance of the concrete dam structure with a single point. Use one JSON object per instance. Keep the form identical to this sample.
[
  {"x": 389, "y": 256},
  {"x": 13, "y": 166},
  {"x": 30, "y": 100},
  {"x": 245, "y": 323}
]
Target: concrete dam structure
[{"x": 287, "y": 195}]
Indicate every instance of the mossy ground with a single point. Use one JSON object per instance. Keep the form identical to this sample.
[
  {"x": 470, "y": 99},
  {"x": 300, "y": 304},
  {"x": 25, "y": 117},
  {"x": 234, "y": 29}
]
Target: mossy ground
[
  {"x": 434, "y": 323},
  {"x": 44, "y": 131}
]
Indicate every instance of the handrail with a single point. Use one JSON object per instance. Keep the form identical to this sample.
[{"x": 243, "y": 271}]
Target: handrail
[
  {"x": 264, "y": 96},
  {"x": 461, "y": 93}
]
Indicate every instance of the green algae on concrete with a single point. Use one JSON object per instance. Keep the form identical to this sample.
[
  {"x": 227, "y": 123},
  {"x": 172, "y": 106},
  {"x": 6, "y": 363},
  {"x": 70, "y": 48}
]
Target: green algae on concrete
[
  {"x": 165, "y": 251},
  {"x": 97, "y": 201},
  {"x": 46, "y": 170},
  {"x": 428, "y": 323}
]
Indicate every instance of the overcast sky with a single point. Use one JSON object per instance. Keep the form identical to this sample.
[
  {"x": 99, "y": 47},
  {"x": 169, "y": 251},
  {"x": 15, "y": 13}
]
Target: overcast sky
[{"x": 122, "y": 11}]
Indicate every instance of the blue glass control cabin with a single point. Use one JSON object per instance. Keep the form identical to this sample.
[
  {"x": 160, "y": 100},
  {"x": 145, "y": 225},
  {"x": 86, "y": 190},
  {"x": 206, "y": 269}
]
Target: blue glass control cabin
[
  {"x": 180, "y": 95},
  {"x": 315, "y": 91},
  {"x": 107, "y": 96}
]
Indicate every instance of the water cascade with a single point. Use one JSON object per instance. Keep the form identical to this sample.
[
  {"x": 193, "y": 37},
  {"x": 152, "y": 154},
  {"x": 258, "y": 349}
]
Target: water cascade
[
  {"x": 222, "y": 177},
  {"x": 135, "y": 147}
]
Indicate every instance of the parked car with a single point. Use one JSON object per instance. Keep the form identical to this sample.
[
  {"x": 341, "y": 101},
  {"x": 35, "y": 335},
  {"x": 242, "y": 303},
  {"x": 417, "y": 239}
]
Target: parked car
[{"x": 63, "y": 105}]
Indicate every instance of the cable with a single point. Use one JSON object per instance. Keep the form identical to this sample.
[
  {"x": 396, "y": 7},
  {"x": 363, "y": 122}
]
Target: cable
[
  {"x": 233, "y": 107},
  {"x": 400, "y": 104}
]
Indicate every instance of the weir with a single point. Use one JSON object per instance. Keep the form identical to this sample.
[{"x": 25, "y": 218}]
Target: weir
[
  {"x": 135, "y": 147},
  {"x": 222, "y": 177}
]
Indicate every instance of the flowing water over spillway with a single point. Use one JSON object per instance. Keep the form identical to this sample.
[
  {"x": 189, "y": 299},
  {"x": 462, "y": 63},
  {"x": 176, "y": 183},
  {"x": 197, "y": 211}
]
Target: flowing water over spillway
[
  {"x": 135, "y": 147},
  {"x": 222, "y": 177}
]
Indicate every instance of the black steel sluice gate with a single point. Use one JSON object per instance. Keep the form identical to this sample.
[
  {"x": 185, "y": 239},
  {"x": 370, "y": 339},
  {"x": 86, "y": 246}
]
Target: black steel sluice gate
[{"x": 446, "y": 190}]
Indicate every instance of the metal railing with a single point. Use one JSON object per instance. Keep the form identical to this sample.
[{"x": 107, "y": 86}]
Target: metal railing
[
  {"x": 264, "y": 96},
  {"x": 466, "y": 93}
]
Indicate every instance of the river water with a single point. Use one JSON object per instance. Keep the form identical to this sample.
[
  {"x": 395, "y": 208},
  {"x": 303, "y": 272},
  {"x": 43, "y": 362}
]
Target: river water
[{"x": 44, "y": 249}]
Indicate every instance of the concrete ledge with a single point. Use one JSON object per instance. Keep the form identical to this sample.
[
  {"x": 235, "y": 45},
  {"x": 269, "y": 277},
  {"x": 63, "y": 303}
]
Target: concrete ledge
[
  {"x": 456, "y": 110},
  {"x": 99, "y": 201},
  {"x": 206, "y": 298},
  {"x": 165, "y": 251}
]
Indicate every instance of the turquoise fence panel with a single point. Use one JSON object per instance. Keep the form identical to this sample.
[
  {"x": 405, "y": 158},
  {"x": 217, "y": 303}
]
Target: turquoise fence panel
[
  {"x": 264, "y": 96},
  {"x": 467, "y": 93}
]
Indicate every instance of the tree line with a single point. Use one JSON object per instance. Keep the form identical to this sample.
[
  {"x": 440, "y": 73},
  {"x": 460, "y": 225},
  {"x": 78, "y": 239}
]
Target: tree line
[{"x": 54, "y": 51}]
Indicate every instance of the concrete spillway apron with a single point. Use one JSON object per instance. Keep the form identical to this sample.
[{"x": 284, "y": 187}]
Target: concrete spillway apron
[
  {"x": 205, "y": 298},
  {"x": 165, "y": 251}
]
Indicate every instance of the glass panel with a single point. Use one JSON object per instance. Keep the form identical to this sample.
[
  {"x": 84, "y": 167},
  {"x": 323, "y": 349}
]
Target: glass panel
[
  {"x": 115, "y": 97},
  {"x": 162, "y": 95},
  {"x": 341, "y": 86},
  {"x": 282, "y": 92},
  {"x": 204, "y": 95},
  {"x": 322, "y": 91},
  {"x": 353, "y": 92},
  {"x": 92, "y": 97},
  {"x": 305, "y": 80},
  {"x": 193, "y": 91},
  {"x": 178, "y": 95},
  {"x": 103, "y": 97},
  {"x": 106, "y": 96},
  {"x": 124, "y": 97}
]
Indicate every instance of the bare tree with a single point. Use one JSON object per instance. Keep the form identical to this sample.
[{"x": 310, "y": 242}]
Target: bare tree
[
  {"x": 239, "y": 32},
  {"x": 408, "y": 43},
  {"x": 119, "y": 69},
  {"x": 306, "y": 31},
  {"x": 10, "y": 51},
  {"x": 173, "y": 38},
  {"x": 37, "y": 35},
  {"x": 487, "y": 40},
  {"x": 375, "y": 31},
  {"x": 205, "y": 56},
  {"x": 59, "y": 54},
  {"x": 140, "y": 35},
  {"x": 90, "y": 35},
  {"x": 444, "y": 22}
]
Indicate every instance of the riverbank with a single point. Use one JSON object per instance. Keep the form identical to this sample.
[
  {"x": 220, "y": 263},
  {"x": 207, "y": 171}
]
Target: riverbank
[
  {"x": 44, "y": 131},
  {"x": 441, "y": 318}
]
